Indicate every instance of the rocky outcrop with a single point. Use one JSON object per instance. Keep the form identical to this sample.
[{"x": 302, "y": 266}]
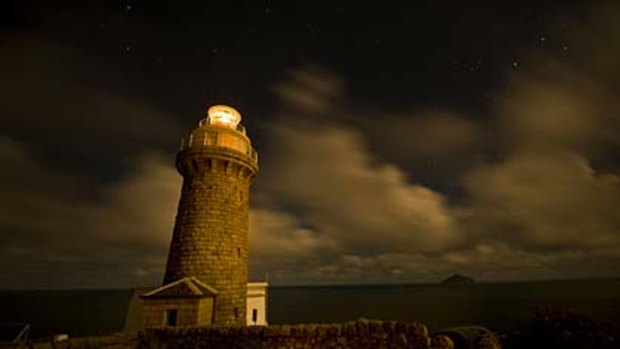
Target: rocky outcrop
[
  {"x": 465, "y": 337},
  {"x": 458, "y": 279}
]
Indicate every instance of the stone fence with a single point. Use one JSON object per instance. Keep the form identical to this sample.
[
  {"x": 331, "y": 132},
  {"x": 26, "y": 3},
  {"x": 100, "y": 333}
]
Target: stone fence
[{"x": 362, "y": 334}]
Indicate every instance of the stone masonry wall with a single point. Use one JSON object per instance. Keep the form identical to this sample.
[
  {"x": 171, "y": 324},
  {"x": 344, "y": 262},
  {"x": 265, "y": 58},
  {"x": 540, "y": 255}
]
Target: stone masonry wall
[
  {"x": 154, "y": 311},
  {"x": 362, "y": 334},
  {"x": 205, "y": 311},
  {"x": 191, "y": 311},
  {"x": 210, "y": 237},
  {"x": 359, "y": 335}
]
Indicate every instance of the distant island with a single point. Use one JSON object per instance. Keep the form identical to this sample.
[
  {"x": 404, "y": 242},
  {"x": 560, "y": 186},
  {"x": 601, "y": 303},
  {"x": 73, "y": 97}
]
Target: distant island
[{"x": 458, "y": 279}]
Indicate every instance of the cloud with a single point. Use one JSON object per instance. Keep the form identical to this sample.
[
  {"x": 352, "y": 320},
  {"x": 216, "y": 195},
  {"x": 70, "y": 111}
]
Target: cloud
[
  {"x": 326, "y": 208},
  {"x": 83, "y": 232},
  {"x": 311, "y": 90},
  {"x": 87, "y": 197},
  {"x": 558, "y": 109},
  {"x": 321, "y": 193},
  {"x": 74, "y": 106},
  {"x": 442, "y": 134},
  {"x": 280, "y": 245},
  {"x": 547, "y": 193},
  {"x": 554, "y": 198},
  {"x": 346, "y": 192},
  {"x": 486, "y": 262},
  {"x": 431, "y": 143},
  {"x": 277, "y": 234},
  {"x": 334, "y": 183},
  {"x": 551, "y": 200},
  {"x": 545, "y": 206}
]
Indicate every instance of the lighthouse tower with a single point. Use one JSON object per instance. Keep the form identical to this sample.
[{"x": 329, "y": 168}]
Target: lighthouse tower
[{"x": 206, "y": 274}]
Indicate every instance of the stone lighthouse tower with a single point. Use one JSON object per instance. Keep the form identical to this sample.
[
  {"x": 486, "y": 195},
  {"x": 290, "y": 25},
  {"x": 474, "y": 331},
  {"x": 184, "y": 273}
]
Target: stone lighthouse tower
[{"x": 206, "y": 274}]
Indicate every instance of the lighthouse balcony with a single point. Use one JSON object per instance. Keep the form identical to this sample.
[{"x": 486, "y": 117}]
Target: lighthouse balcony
[{"x": 219, "y": 140}]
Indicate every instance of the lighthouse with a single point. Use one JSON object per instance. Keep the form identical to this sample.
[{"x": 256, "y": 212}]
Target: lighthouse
[{"x": 206, "y": 277}]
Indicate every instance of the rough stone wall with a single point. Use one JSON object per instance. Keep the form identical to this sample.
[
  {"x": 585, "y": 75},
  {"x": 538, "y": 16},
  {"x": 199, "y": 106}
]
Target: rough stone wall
[
  {"x": 188, "y": 311},
  {"x": 362, "y": 334},
  {"x": 358, "y": 335},
  {"x": 205, "y": 311},
  {"x": 210, "y": 237}
]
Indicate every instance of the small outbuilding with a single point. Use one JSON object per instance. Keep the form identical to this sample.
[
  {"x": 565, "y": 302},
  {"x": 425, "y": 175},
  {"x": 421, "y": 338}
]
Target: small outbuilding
[
  {"x": 191, "y": 302},
  {"x": 257, "y": 303},
  {"x": 185, "y": 302}
]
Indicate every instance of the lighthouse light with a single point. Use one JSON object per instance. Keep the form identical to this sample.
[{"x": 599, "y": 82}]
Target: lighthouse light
[{"x": 224, "y": 115}]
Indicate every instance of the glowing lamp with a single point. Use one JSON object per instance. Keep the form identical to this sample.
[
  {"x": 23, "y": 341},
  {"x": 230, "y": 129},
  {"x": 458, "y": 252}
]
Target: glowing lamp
[{"x": 224, "y": 115}]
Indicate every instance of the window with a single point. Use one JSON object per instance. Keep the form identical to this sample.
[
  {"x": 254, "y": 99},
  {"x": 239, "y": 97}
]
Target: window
[
  {"x": 238, "y": 252},
  {"x": 236, "y": 314},
  {"x": 171, "y": 317},
  {"x": 254, "y": 315}
]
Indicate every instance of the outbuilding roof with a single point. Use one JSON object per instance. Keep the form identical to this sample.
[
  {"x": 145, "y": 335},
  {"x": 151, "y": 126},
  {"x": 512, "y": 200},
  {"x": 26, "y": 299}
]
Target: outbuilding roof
[{"x": 186, "y": 287}]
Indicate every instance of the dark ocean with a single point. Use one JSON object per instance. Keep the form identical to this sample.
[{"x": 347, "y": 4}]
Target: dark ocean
[{"x": 500, "y": 306}]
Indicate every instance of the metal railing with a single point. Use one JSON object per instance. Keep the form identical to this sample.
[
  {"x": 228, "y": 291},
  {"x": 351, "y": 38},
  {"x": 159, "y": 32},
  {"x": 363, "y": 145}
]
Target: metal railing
[{"x": 214, "y": 140}]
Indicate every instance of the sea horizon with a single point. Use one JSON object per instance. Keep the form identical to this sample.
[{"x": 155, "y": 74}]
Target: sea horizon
[
  {"x": 321, "y": 285},
  {"x": 500, "y": 306}
]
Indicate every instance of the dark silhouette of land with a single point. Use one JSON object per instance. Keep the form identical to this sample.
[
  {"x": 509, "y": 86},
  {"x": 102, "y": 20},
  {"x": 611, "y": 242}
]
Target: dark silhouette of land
[{"x": 458, "y": 279}]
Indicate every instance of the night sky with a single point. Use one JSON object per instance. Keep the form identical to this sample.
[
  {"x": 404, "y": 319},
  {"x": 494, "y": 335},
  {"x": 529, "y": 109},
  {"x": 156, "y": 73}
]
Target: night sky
[{"x": 397, "y": 143}]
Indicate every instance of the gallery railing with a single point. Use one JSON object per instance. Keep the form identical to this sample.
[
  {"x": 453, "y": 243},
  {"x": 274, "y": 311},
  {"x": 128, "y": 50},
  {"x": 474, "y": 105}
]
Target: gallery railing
[{"x": 214, "y": 139}]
